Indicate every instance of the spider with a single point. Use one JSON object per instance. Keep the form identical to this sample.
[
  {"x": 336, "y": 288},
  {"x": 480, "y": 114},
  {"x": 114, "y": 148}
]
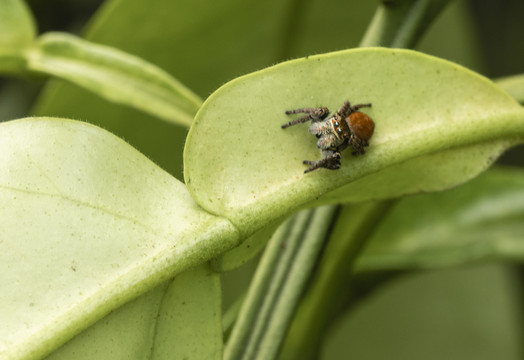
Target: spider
[{"x": 347, "y": 127}]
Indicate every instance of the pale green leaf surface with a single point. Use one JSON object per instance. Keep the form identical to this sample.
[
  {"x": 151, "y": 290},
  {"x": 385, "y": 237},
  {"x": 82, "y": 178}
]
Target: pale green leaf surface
[
  {"x": 482, "y": 220},
  {"x": 87, "y": 223},
  {"x": 190, "y": 319},
  {"x": 114, "y": 75},
  {"x": 422, "y": 107},
  {"x": 426, "y": 173}
]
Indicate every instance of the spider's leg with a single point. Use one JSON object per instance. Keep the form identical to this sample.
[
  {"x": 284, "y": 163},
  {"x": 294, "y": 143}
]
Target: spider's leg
[
  {"x": 329, "y": 162},
  {"x": 299, "y": 120},
  {"x": 301, "y": 111},
  {"x": 345, "y": 109},
  {"x": 342, "y": 146},
  {"x": 312, "y": 114},
  {"x": 358, "y": 145},
  {"x": 359, "y": 106},
  {"x": 320, "y": 114},
  {"x": 314, "y": 165}
]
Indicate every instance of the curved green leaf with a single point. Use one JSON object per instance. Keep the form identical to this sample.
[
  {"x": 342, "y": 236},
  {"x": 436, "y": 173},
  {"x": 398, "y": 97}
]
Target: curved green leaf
[
  {"x": 239, "y": 163},
  {"x": 479, "y": 221},
  {"x": 87, "y": 224},
  {"x": 203, "y": 45},
  {"x": 425, "y": 173},
  {"x": 114, "y": 75}
]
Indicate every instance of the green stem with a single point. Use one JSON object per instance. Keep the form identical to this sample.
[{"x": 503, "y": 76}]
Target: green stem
[
  {"x": 329, "y": 288},
  {"x": 293, "y": 251},
  {"x": 278, "y": 284},
  {"x": 401, "y": 23},
  {"x": 230, "y": 316},
  {"x": 294, "y": 12}
]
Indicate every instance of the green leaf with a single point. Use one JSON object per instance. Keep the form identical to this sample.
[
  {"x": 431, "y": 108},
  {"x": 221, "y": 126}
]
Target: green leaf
[
  {"x": 126, "y": 333},
  {"x": 114, "y": 75},
  {"x": 17, "y": 26},
  {"x": 514, "y": 85},
  {"x": 17, "y": 31},
  {"x": 464, "y": 313},
  {"x": 190, "y": 319},
  {"x": 200, "y": 43},
  {"x": 173, "y": 321},
  {"x": 479, "y": 221},
  {"x": 434, "y": 120},
  {"x": 87, "y": 224},
  {"x": 425, "y": 173},
  {"x": 244, "y": 252}
]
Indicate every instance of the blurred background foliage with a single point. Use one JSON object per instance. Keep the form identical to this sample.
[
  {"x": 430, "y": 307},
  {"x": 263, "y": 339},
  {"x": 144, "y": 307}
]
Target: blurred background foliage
[{"x": 463, "y": 313}]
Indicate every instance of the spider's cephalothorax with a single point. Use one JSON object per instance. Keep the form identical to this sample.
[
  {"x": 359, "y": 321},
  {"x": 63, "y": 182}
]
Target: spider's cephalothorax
[{"x": 347, "y": 127}]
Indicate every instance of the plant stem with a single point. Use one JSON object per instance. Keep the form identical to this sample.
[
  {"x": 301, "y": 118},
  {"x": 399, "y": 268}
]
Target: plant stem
[
  {"x": 230, "y": 316},
  {"x": 294, "y": 12},
  {"x": 401, "y": 23},
  {"x": 291, "y": 254},
  {"x": 278, "y": 284},
  {"x": 329, "y": 288}
]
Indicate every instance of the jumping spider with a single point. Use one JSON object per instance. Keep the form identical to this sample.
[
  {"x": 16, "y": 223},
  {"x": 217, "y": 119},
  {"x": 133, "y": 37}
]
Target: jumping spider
[{"x": 347, "y": 127}]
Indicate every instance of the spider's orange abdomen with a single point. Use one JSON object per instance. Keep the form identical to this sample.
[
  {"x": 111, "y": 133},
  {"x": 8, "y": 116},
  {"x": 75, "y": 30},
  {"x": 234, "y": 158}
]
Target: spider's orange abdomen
[{"x": 361, "y": 125}]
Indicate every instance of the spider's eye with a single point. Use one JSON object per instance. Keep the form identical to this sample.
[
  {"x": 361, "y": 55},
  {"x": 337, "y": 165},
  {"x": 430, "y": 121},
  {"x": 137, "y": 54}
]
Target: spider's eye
[
  {"x": 339, "y": 131},
  {"x": 337, "y": 124}
]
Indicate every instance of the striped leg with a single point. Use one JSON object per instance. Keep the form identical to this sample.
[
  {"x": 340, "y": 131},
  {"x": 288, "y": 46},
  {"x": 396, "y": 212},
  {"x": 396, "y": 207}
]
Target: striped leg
[{"x": 312, "y": 114}]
